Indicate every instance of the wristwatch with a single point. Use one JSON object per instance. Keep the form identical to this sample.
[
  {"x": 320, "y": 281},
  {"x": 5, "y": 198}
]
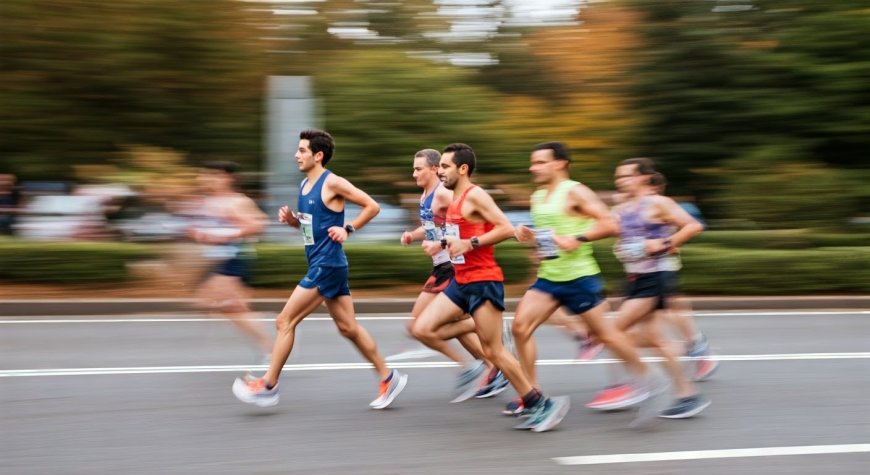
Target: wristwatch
[
  {"x": 582, "y": 238},
  {"x": 475, "y": 243},
  {"x": 349, "y": 228}
]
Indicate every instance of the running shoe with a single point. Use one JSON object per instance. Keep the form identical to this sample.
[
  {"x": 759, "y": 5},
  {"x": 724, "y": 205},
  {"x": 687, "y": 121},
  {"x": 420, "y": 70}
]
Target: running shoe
[
  {"x": 703, "y": 364},
  {"x": 619, "y": 396},
  {"x": 686, "y": 407},
  {"x": 589, "y": 349},
  {"x": 699, "y": 347},
  {"x": 469, "y": 381},
  {"x": 514, "y": 408},
  {"x": 389, "y": 389},
  {"x": 657, "y": 389},
  {"x": 253, "y": 391},
  {"x": 546, "y": 414},
  {"x": 495, "y": 383}
]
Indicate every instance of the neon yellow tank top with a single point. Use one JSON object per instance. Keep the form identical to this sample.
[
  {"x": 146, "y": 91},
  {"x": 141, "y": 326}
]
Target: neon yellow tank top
[{"x": 549, "y": 213}]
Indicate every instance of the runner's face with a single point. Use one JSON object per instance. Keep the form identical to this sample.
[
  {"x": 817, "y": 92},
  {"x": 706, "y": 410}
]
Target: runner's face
[
  {"x": 448, "y": 172},
  {"x": 626, "y": 178},
  {"x": 543, "y": 166},
  {"x": 304, "y": 158},
  {"x": 423, "y": 173},
  {"x": 212, "y": 181}
]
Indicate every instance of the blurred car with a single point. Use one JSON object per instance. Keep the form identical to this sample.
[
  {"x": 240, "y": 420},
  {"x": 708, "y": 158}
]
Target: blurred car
[{"x": 62, "y": 217}]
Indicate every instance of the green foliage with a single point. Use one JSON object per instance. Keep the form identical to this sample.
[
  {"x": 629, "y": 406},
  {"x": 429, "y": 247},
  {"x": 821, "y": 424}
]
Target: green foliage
[
  {"x": 723, "y": 92},
  {"x": 68, "y": 263},
  {"x": 83, "y": 79},
  {"x": 380, "y": 106}
]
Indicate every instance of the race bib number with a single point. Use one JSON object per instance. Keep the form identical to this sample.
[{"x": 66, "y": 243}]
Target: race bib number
[
  {"x": 306, "y": 225},
  {"x": 430, "y": 231},
  {"x": 453, "y": 230},
  {"x": 547, "y": 248}
]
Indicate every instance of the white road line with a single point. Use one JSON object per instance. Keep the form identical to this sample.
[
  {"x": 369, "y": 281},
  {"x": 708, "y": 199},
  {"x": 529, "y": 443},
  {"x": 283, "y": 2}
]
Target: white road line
[
  {"x": 361, "y": 317},
  {"x": 12, "y": 373},
  {"x": 713, "y": 454}
]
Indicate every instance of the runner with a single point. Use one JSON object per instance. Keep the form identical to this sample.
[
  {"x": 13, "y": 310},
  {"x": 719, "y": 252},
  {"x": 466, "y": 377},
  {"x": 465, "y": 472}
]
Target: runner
[
  {"x": 226, "y": 221},
  {"x": 474, "y": 225},
  {"x": 320, "y": 216},
  {"x": 652, "y": 227},
  {"x": 432, "y": 210},
  {"x": 567, "y": 216}
]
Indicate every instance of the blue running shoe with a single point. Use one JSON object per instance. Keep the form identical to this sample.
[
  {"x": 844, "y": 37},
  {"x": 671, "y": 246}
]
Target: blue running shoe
[
  {"x": 469, "y": 381},
  {"x": 495, "y": 384},
  {"x": 546, "y": 414},
  {"x": 686, "y": 407}
]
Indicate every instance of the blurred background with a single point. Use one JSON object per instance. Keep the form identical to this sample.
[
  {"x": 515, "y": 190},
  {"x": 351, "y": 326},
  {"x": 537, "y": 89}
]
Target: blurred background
[{"x": 756, "y": 111}]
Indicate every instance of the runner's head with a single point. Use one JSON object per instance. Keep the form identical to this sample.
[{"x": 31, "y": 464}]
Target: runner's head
[
  {"x": 217, "y": 176},
  {"x": 314, "y": 146},
  {"x": 457, "y": 161},
  {"x": 549, "y": 160},
  {"x": 657, "y": 183},
  {"x": 633, "y": 173},
  {"x": 426, "y": 166}
]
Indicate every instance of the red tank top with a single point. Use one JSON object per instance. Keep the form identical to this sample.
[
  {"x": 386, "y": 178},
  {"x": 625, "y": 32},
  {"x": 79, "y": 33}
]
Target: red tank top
[{"x": 479, "y": 265}]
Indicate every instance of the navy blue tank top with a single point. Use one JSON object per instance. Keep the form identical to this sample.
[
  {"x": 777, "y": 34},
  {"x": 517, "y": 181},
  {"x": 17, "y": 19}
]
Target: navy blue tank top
[{"x": 315, "y": 219}]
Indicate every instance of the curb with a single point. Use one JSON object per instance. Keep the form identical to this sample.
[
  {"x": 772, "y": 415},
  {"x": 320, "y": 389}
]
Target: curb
[{"x": 61, "y": 307}]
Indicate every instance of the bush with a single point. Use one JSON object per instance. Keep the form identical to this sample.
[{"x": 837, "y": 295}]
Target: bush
[{"x": 68, "y": 262}]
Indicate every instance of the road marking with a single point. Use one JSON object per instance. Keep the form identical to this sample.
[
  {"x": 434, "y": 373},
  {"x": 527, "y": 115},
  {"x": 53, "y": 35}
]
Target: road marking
[
  {"x": 713, "y": 454},
  {"x": 18, "y": 319},
  {"x": 12, "y": 373}
]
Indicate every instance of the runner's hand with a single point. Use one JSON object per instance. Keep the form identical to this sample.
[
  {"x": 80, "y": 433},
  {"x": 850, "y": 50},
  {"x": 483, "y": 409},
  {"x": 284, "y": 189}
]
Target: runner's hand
[
  {"x": 288, "y": 217},
  {"x": 337, "y": 234},
  {"x": 524, "y": 234},
  {"x": 407, "y": 238},
  {"x": 457, "y": 247},
  {"x": 431, "y": 248},
  {"x": 567, "y": 243}
]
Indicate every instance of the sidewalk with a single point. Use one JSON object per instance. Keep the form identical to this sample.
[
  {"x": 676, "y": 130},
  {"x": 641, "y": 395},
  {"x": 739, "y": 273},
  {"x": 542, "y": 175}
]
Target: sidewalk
[{"x": 74, "y": 306}]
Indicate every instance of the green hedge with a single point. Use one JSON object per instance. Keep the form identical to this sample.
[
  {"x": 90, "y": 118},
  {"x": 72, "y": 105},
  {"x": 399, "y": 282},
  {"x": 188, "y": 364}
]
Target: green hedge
[
  {"x": 718, "y": 263},
  {"x": 68, "y": 262}
]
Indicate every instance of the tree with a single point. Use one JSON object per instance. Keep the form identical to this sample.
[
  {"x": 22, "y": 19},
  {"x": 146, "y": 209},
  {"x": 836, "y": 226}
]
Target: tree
[{"x": 81, "y": 80}]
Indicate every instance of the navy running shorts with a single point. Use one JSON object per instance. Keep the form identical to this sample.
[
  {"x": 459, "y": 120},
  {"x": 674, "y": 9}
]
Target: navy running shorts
[
  {"x": 579, "y": 295},
  {"x": 653, "y": 284},
  {"x": 234, "y": 267},
  {"x": 469, "y": 297},
  {"x": 439, "y": 279},
  {"x": 331, "y": 282}
]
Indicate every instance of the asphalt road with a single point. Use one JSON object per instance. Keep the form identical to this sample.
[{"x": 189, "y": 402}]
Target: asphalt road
[{"x": 151, "y": 394}]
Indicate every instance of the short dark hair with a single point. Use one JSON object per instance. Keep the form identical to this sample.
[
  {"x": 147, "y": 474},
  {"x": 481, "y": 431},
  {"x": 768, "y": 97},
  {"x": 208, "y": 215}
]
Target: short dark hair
[
  {"x": 319, "y": 141},
  {"x": 462, "y": 155},
  {"x": 222, "y": 166},
  {"x": 432, "y": 156},
  {"x": 560, "y": 151},
  {"x": 657, "y": 180},
  {"x": 645, "y": 166}
]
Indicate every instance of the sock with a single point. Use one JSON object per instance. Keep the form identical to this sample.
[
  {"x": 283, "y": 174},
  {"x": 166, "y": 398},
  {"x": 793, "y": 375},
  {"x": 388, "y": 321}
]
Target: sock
[{"x": 533, "y": 397}]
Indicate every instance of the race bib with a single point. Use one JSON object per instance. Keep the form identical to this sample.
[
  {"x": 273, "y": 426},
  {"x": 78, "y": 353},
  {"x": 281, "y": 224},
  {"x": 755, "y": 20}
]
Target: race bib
[
  {"x": 630, "y": 249},
  {"x": 453, "y": 230},
  {"x": 547, "y": 248},
  {"x": 430, "y": 231},
  {"x": 306, "y": 225}
]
